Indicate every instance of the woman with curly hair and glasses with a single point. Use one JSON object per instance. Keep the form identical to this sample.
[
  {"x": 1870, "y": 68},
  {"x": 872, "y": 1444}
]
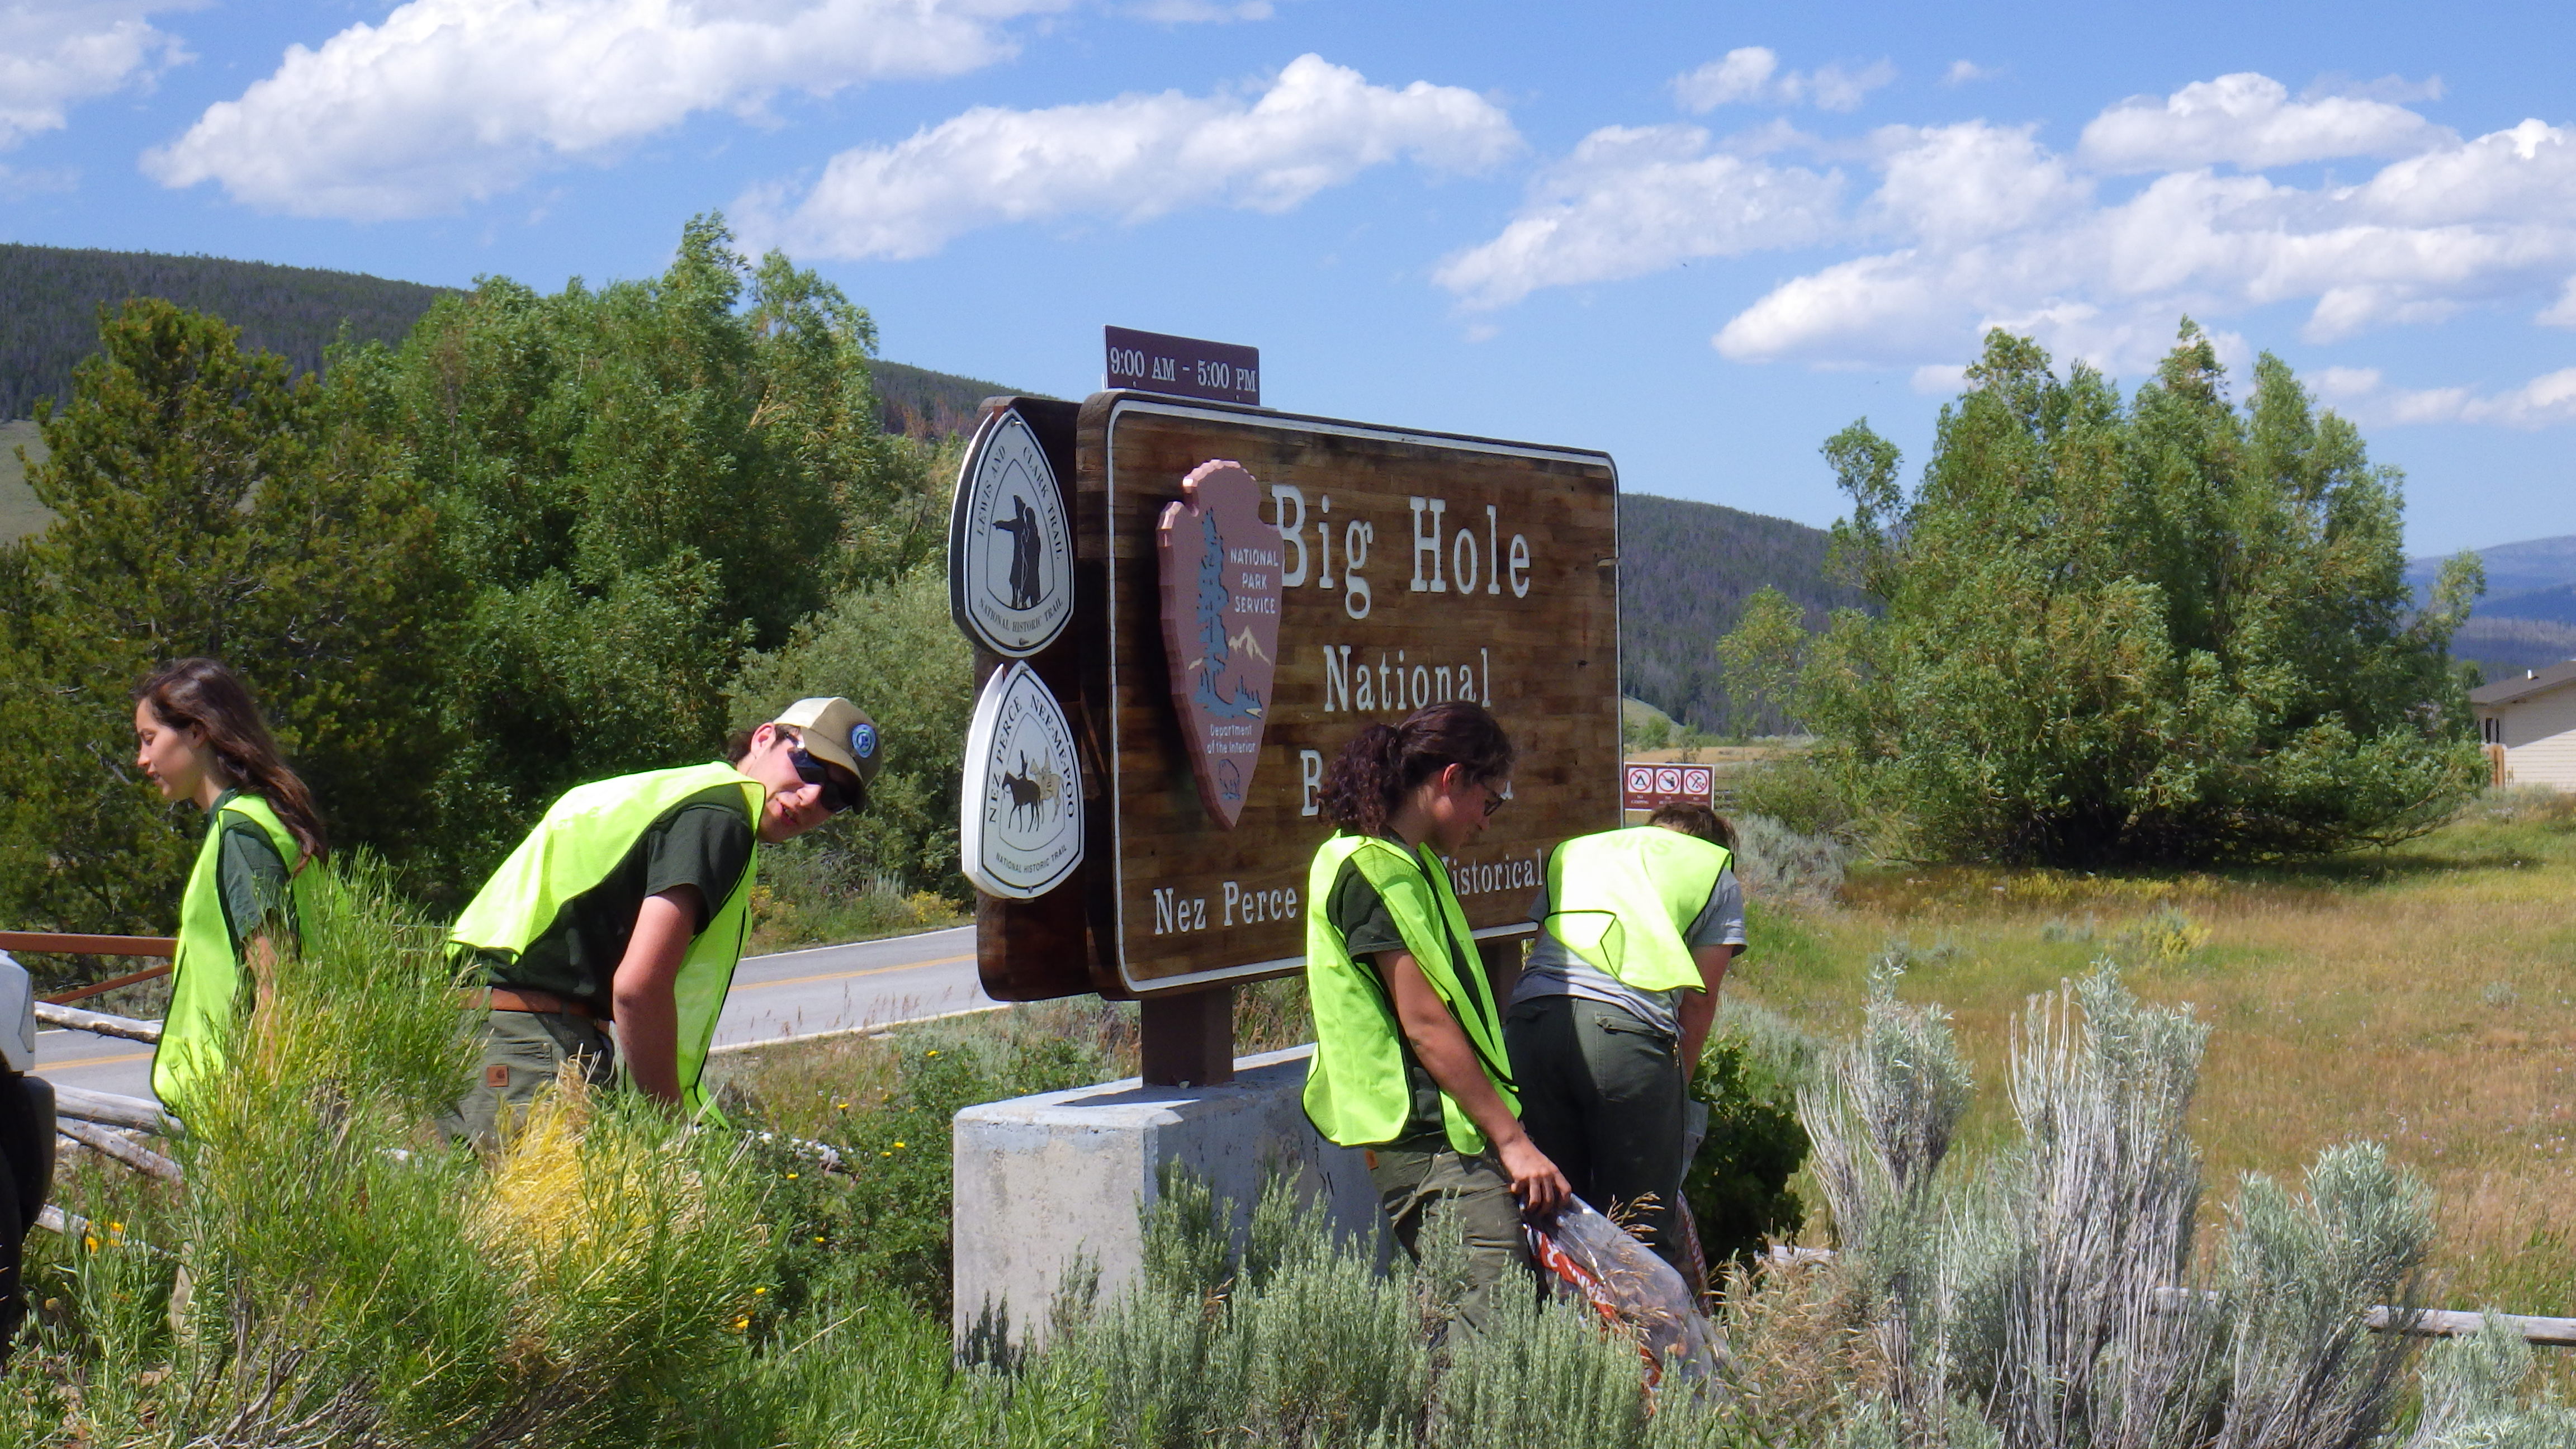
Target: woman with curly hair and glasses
[
  {"x": 628, "y": 905},
  {"x": 1409, "y": 1061}
]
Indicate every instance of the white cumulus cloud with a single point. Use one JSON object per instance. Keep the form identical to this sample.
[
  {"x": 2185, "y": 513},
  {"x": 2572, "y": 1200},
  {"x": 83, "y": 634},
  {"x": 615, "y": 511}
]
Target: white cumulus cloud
[
  {"x": 2164, "y": 208},
  {"x": 55, "y": 54},
  {"x": 1130, "y": 159},
  {"x": 1632, "y": 201},
  {"x": 449, "y": 101},
  {"x": 2249, "y": 120},
  {"x": 2480, "y": 223},
  {"x": 1751, "y": 75},
  {"x": 1947, "y": 230},
  {"x": 2546, "y": 401}
]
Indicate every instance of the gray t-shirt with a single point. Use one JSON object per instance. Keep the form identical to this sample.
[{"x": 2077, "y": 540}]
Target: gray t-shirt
[{"x": 1556, "y": 971}]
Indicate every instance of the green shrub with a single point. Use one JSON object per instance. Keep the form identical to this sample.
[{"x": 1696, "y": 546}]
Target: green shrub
[
  {"x": 1738, "y": 1182},
  {"x": 1785, "y": 867},
  {"x": 1803, "y": 798},
  {"x": 1299, "y": 1341},
  {"x": 886, "y": 1107}
]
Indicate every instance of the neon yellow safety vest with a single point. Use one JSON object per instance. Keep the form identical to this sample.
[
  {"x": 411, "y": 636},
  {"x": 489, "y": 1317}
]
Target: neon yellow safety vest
[
  {"x": 206, "y": 977},
  {"x": 1622, "y": 899},
  {"x": 581, "y": 839},
  {"x": 1356, "y": 1092}
]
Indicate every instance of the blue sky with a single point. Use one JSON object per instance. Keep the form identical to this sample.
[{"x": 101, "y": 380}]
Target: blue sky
[{"x": 1702, "y": 237}]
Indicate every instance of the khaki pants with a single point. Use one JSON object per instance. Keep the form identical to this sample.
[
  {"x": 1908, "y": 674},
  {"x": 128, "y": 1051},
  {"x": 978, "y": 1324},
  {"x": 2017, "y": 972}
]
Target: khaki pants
[
  {"x": 522, "y": 1052},
  {"x": 1602, "y": 1095},
  {"x": 1423, "y": 1180}
]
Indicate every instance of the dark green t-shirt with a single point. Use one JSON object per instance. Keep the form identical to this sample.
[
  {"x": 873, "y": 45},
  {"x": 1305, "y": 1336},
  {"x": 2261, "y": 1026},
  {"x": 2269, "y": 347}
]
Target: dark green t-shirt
[
  {"x": 252, "y": 882},
  {"x": 1367, "y": 927},
  {"x": 704, "y": 841}
]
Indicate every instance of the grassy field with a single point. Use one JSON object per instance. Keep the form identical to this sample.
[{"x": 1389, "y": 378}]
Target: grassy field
[
  {"x": 20, "y": 513},
  {"x": 2423, "y": 996}
]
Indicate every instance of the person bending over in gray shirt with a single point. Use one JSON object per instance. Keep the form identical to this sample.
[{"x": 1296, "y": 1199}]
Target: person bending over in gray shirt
[{"x": 1636, "y": 930}]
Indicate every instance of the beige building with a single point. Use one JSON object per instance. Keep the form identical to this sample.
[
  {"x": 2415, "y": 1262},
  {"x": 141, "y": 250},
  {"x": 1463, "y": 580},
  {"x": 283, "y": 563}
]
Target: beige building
[{"x": 2529, "y": 726}]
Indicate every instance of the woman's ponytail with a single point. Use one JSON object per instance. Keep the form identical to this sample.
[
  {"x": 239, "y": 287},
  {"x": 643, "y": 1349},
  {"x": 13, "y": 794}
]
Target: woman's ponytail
[
  {"x": 1361, "y": 785},
  {"x": 203, "y": 695},
  {"x": 1367, "y": 782}
]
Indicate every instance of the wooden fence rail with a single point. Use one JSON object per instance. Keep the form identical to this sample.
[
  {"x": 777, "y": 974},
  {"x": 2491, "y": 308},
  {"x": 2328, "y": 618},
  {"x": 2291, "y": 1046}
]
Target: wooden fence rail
[
  {"x": 98, "y": 1023},
  {"x": 75, "y": 944}
]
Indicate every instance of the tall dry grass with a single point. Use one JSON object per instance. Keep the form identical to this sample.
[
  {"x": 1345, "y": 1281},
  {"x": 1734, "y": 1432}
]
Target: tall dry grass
[{"x": 2422, "y": 996}]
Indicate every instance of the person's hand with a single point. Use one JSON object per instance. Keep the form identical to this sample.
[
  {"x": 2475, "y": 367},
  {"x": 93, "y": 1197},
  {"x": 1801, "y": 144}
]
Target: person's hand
[{"x": 1542, "y": 1190}]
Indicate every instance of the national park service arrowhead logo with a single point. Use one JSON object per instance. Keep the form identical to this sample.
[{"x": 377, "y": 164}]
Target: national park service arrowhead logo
[
  {"x": 1020, "y": 826},
  {"x": 1221, "y": 598},
  {"x": 1010, "y": 543}
]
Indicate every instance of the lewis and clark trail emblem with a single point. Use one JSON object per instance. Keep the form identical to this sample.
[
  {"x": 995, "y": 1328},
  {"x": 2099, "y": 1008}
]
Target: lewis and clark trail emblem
[
  {"x": 1022, "y": 822},
  {"x": 1010, "y": 544},
  {"x": 1221, "y": 594}
]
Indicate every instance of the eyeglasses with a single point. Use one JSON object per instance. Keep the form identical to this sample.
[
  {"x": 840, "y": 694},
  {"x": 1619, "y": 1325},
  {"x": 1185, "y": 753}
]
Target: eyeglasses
[
  {"x": 1493, "y": 798},
  {"x": 837, "y": 795}
]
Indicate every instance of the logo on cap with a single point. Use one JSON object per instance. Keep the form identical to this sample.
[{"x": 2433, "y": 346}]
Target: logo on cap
[{"x": 863, "y": 740}]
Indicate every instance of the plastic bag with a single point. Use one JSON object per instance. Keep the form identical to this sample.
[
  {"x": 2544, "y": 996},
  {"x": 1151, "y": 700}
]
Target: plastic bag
[{"x": 1591, "y": 1257}]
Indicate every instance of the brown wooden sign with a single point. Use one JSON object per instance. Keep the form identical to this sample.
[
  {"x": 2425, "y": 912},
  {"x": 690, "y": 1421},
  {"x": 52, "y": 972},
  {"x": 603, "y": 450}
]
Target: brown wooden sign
[
  {"x": 1411, "y": 568},
  {"x": 1408, "y": 568}
]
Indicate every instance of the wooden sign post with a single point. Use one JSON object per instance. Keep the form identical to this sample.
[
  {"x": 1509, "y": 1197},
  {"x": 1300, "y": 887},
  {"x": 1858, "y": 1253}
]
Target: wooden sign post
[{"x": 1330, "y": 575}]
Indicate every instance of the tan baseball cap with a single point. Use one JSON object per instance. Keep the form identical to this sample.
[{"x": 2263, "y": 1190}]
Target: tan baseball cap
[{"x": 836, "y": 731}]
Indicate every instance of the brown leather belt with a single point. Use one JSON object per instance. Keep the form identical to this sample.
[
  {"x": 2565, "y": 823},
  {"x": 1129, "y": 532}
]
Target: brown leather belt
[{"x": 513, "y": 998}]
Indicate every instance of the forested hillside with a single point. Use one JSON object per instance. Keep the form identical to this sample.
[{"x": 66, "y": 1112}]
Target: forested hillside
[
  {"x": 1685, "y": 570},
  {"x": 50, "y": 296},
  {"x": 919, "y": 403}
]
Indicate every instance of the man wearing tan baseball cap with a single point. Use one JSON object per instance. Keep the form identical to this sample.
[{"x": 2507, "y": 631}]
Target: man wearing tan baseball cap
[{"x": 629, "y": 903}]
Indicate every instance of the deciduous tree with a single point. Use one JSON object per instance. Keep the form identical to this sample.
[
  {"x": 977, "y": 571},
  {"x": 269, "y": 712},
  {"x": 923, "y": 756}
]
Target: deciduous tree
[
  {"x": 2166, "y": 629},
  {"x": 1759, "y": 659}
]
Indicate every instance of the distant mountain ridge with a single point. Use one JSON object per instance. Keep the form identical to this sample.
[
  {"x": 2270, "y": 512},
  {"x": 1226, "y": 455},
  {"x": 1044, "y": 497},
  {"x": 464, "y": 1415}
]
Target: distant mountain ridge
[
  {"x": 50, "y": 296},
  {"x": 1685, "y": 570},
  {"x": 2527, "y": 617},
  {"x": 2512, "y": 568}
]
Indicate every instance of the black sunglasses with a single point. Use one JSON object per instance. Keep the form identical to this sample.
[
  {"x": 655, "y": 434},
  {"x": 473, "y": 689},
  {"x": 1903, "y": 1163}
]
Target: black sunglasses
[{"x": 838, "y": 795}]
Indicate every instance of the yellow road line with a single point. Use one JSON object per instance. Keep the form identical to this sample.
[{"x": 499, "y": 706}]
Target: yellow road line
[
  {"x": 851, "y": 975},
  {"x": 44, "y": 1067}
]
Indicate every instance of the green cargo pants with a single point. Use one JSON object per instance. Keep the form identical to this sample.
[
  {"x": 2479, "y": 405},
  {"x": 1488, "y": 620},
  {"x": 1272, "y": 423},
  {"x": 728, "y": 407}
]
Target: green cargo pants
[
  {"x": 1423, "y": 1180},
  {"x": 522, "y": 1052},
  {"x": 1602, "y": 1095}
]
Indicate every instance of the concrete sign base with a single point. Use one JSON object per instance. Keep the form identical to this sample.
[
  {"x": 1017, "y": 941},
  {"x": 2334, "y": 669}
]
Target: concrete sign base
[{"x": 1043, "y": 1182}]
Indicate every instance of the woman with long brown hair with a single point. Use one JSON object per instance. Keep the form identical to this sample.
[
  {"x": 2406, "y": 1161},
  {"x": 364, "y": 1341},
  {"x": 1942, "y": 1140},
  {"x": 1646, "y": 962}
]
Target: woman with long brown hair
[
  {"x": 1409, "y": 1061},
  {"x": 200, "y": 738}
]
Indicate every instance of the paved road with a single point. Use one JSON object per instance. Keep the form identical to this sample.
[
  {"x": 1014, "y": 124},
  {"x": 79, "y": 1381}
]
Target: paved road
[{"x": 794, "y": 993}]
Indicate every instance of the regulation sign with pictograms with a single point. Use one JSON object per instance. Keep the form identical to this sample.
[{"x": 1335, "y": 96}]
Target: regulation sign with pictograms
[{"x": 1647, "y": 785}]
